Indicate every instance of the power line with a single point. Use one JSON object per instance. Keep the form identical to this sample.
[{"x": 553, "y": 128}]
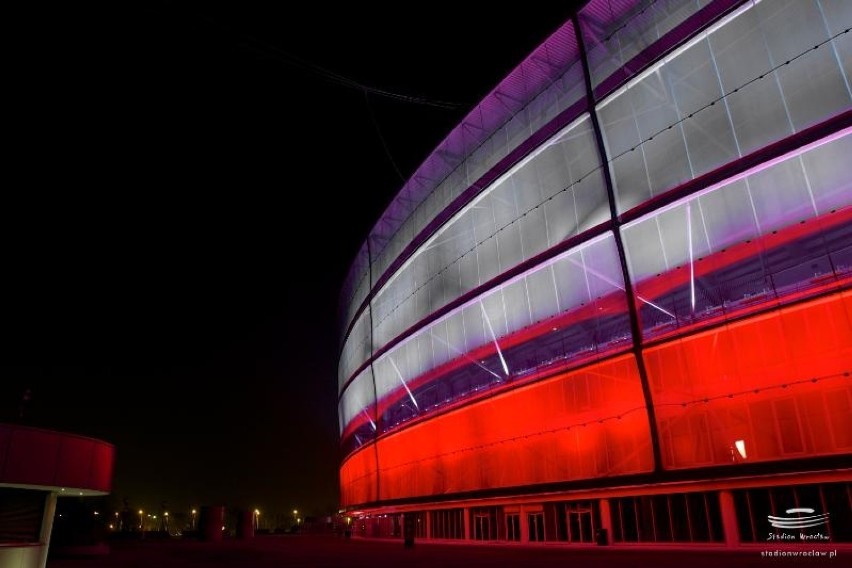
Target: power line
[
  {"x": 273, "y": 51},
  {"x": 382, "y": 138}
]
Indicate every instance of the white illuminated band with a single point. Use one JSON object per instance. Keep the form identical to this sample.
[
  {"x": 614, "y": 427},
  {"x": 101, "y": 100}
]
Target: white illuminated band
[
  {"x": 494, "y": 339},
  {"x": 408, "y": 390},
  {"x": 619, "y": 286},
  {"x": 677, "y": 52},
  {"x": 465, "y": 355},
  {"x": 482, "y": 195}
]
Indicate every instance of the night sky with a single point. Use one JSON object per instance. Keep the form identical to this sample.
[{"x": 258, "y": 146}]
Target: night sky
[{"x": 174, "y": 172}]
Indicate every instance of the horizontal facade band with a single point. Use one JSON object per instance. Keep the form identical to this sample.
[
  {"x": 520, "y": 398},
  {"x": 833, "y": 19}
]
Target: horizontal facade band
[{"x": 700, "y": 20}]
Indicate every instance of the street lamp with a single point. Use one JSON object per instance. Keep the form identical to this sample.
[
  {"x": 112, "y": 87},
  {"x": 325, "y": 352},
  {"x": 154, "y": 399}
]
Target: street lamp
[
  {"x": 192, "y": 518},
  {"x": 256, "y": 519},
  {"x": 141, "y": 519}
]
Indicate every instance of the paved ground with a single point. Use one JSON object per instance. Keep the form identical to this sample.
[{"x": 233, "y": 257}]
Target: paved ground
[{"x": 329, "y": 552}]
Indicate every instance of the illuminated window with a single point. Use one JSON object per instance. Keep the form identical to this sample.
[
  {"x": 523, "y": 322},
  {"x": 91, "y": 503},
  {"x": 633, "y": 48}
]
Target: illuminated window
[
  {"x": 577, "y": 521},
  {"x": 682, "y": 517},
  {"x": 448, "y": 523},
  {"x": 513, "y": 527},
  {"x": 536, "y": 526}
]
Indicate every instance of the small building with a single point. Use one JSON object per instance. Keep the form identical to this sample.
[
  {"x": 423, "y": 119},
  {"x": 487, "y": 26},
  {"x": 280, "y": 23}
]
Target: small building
[{"x": 37, "y": 467}]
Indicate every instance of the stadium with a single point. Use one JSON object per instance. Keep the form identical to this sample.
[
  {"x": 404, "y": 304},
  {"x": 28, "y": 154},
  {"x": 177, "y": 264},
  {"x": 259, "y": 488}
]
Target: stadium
[{"x": 613, "y": 305}]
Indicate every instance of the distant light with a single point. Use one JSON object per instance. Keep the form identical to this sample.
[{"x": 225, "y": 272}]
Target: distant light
[
  {"x": 194, "y": 511},
  {"x": 155, "y": 516},
  {"x": 116, "y": 513},
  {"x": 257, "y": 511},
  {"x": 555, "y": 328},
  {"x": 96, "y": 513},
  {"x": 140, "y": 511},
  {"x": 740, "y": 445},
  {"x": 166, "y": 514},
  {"x": 295, "y": 512},
  {"x": 60, "y": 514},
  {"x": 63, "y": 489},
  {"x": 81, "y": 493},
  {"x": 223, "y": 527},
  {"x": 111, "y": 526}
]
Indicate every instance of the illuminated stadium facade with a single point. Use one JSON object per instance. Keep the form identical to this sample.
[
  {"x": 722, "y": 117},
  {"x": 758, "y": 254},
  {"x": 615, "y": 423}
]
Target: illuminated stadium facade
[{"x": 617, "y": 295}]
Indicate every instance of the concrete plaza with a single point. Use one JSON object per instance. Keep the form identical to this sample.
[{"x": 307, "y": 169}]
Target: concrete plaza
[{"x": 329, "y": 552}]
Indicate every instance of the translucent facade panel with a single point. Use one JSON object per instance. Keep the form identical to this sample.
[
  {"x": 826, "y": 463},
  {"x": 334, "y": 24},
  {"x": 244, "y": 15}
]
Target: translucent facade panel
[
  {"x": 771, "y": 235},
  {"x": 516, "y": 300},
  {"x": 356, "y": 286},
  {"x": 843, "y": 49},
  {"x": 710, "y": 139},
  {"x": 356, "y": 412},
  {"x": 358, "y": 477},
  {"x": 578, "y": 425},
  {"x": 830, "y": 183},
  {"x": 837, "y": 14},
  {"x": 541, "y": 290},
  {"x": 567, "y": 311},
  {"x": 553, "y": 194},
  {"x": 814, "y": 87},
  {"x": 773, "y": 384},
  {"x": 616, "y": 31},
  {"x": 761, "y": 74},
  {"x": 551, "y": 80},
  {"x": 356, "y": 349},
  {"x": 758, "y": 114}
]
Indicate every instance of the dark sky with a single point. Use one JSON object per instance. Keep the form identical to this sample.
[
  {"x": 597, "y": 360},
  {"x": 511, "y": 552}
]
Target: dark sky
[{"x": 184, "y": 192}]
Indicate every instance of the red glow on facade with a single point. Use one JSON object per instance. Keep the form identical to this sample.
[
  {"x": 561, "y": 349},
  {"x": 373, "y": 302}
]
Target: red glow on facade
[
  {"x": 577, "y": 425},
  {"x": 779, "y": 382}
]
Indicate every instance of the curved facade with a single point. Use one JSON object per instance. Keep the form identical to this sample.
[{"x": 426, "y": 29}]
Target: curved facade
[
  {"x": 628, "y": 268},
  {"x": 36, "y": 467}
]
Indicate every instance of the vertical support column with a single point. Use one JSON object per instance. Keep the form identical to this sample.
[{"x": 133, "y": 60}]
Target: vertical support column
[
  {"x": 428, "y": 520},
  {"x": 729, "y": 518},
  {"x": 524, "y": 524},
  {"x": 47, "y": 526},
  {"x": 606, "y": 518},
  {"x": 467, "y": 531},
  {"x": 632, "y": 309}
]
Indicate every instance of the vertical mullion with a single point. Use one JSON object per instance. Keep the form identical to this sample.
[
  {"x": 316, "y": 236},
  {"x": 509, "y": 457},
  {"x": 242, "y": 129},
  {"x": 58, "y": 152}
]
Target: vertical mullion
[
  {"x": 707, "y": 516},
  {"x": 636, "y": 505},
  {"x": 688, "y": 517},
  {"x": 372, "y": 369},
  {"x": 632, "y": 308},
  {"x": 671, "y": 518},
  {"x": 751, "y": 515}
]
